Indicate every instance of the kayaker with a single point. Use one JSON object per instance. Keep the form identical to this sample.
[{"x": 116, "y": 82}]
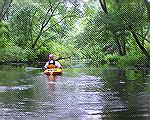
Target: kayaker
[{"x": 52, "y": 63}]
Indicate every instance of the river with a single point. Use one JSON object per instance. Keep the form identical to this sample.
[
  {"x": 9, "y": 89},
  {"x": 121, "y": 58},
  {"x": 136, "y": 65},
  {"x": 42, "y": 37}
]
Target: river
[{"x": 83, "y": 93}]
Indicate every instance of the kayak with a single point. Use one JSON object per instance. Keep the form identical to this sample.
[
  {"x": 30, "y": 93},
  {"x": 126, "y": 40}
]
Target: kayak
[{"x": 53, "y": 71}]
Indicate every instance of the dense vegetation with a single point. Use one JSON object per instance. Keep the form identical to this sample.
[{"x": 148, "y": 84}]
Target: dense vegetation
[{"x": 116, "y": 31}]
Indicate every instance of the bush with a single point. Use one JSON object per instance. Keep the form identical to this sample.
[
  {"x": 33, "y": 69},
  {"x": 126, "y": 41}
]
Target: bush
[
  {"x": 112, "y": 59},
  {"x": 127, "y": 60},
  {"x": 16, "y": 54},
  {"x": 132, "y": 60}
]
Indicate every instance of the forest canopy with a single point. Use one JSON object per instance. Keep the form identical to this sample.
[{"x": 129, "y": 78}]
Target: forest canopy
[{"x": 97, "y": 30}]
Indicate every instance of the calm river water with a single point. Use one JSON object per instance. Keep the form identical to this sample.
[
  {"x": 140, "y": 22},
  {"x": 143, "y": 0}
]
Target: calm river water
[{"x": 79, "y": 94}]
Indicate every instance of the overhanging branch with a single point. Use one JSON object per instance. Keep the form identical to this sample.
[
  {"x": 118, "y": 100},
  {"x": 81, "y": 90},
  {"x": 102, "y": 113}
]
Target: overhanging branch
[{"x": 143, "y": 37}]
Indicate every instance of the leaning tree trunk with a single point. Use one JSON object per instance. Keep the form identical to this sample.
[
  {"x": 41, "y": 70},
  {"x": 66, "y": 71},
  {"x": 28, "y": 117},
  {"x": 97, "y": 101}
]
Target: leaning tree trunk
[
  {"x": 103, "y": 5},
  {"x": 104, "y": 8},
  {"x": 140, "y": 45},
  {"x": 147, "y": 4}
]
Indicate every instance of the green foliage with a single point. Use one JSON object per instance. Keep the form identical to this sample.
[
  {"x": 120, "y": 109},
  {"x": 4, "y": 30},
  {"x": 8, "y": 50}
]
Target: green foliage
[
  {"x": 14, "y": 53},
  {"x": 3, "y": 36},
  {"x": 21, "y": 24},
  {"x": 132, "y": 60},
  {"x": 127, "y": 60},
  {"x": 147, "y": 46},
  {"x": 81, "y": 32},
  {"x": 112, "y": 58},
  {"x": 121, "y": 19}
]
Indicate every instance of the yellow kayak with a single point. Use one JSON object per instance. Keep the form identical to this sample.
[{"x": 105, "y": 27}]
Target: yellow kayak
[{"x": 53, "y": 71}]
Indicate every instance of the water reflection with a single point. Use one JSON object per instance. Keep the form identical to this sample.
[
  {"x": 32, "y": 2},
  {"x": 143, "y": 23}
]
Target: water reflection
[
  {"x": 80, "y": 93},
  {"x": 128, "y": 96},
  {"x": 53, "y": 77}
]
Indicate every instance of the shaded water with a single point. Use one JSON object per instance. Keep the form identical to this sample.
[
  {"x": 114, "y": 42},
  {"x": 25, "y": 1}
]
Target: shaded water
[{"x": 79, "y": 94}]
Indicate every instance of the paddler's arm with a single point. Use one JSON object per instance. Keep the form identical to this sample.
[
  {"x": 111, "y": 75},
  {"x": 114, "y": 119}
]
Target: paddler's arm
[
  {"x": 58, "y": 64},
  {"x": 46, "y": 65}
]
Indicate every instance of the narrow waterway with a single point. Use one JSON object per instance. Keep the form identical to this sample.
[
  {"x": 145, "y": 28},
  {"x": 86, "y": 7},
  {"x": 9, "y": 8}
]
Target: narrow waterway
[{"x": 78, "y": 94}]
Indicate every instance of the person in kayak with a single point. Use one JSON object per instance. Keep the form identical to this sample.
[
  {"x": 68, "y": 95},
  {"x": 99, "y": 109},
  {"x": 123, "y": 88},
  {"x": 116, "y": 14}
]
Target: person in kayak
[{"x": 52, "y": 63}]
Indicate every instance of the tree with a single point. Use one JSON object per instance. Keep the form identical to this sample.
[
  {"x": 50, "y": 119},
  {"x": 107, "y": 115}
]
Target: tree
[
  {"x": 4, "y": 6},
  {"x": 121, "y": 49},
  {"x": 49, "y": 23},
  {"x": 121, "y": 8}
]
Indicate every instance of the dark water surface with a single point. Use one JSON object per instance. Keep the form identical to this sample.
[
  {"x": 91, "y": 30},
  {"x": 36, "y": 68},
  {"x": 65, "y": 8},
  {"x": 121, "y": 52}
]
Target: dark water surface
[{"x": 79, "y": 94}]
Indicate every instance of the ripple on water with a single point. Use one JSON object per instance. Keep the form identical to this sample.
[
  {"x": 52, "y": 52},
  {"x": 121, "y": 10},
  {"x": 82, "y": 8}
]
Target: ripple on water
[{"x": 15, "y": 88}]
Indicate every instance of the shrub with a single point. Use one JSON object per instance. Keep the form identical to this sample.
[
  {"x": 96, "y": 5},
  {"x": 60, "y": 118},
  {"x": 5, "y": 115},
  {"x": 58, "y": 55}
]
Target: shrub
[
  {"x": 127, "y": 60},
  {"x": 112, "y": 59}
]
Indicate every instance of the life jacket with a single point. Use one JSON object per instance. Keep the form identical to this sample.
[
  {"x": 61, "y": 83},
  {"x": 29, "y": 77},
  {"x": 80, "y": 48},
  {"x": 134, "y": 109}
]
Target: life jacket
[{"x": 51, "y": 64}]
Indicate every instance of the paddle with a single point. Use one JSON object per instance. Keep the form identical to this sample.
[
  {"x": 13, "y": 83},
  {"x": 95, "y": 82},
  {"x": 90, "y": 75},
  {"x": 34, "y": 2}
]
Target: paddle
[{"x": 32, "y": 68}]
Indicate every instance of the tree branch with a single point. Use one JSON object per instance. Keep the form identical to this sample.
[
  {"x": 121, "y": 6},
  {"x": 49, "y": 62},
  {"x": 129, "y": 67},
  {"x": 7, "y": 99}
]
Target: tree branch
[
  {"x": 45, "y": 23},
  {"x": 60, "y": 58},
  {"x": 147, "y": 4},
  {"x": 2, "y": 12},
  {"x": 88, "y": 56},
  {"x": 148, "y": 29},
  {"x": 103, "y": 5},
  {"x": 44, "y": 42},
  {"x": 56, "y": 23},
  {"x": 143, "y": 37}
]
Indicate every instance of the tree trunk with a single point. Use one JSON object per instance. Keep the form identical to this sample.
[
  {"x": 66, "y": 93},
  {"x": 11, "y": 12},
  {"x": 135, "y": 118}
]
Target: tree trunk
[
  {"x": 123, "y": 41},
  {"x": 147, "y": 4},
  {"x": 104, "y": 8},
  {"x": 140, "y": 45},
  {"x": 117, "y": 43},
  {"x": 4, "y": 8},
  {"x": 37, "y": 38},
  {"x": 103, "y": 5}
]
